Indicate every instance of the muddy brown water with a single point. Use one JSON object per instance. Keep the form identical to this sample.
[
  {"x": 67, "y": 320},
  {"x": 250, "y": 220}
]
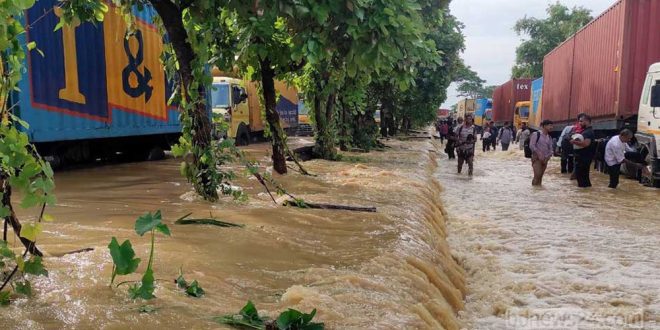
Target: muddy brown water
[{"x": 385, "y": 270}]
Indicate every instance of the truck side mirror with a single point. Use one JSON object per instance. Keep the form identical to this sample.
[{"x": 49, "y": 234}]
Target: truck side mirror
[
  {"x": 244, "y": 95},
  {"x": 655, "y": 96}
]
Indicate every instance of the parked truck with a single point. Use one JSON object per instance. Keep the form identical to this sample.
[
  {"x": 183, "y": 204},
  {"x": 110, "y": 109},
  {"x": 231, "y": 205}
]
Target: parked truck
[
  {"x": 483, "y": 111},
  {"x": 648, "y": 125},
  {"x": 238, "y": 101},
  {"x": 602, "y": 68},
  {"x": 607, "y": 70},
  {"x": 506, "y": 99},
  {"x": 95, "y": 92},
  {"x": 464, "y": 107},
  {"x": 521, "y": 113}
]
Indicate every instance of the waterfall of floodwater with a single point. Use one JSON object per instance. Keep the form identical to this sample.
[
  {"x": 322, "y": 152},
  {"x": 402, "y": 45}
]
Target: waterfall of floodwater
[{"x": 387, "y": 270}]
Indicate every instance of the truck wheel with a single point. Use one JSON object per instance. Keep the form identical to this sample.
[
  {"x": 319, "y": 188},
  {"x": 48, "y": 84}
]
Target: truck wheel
[
  {"x": 156, "y": 153},
  {"x": 242, "y": 136}
]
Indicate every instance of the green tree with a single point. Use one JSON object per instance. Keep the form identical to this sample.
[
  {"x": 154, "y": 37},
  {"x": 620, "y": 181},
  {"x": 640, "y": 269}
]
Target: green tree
[
  {"x": 544, "y": 35},
  {"x": 353, "y": 39},
  {"x": 264, "y": 52}
]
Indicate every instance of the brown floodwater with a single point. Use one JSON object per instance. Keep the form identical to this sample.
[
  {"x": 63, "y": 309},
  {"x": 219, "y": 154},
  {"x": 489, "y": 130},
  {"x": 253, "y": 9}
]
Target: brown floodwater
[{"x": 386, "y": 270}]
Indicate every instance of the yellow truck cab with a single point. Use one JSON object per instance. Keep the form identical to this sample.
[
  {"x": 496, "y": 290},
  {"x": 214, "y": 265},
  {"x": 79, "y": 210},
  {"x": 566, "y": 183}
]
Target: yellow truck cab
[
  {"x": 648, "y": 125},
  {"x": 229, "y": 99},
  {"x": 238, "y": 102},
  {"x": 521, "y": 114}
]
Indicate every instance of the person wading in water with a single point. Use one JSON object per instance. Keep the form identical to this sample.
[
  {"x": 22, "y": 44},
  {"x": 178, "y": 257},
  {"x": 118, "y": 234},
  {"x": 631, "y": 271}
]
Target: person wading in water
[{"x": 466, "y": 135}]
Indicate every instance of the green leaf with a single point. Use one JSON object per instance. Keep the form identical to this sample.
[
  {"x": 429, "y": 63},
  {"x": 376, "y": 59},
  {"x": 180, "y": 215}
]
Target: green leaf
[
  {"x": 163, "y": 229},
  {"x": 293, "y": 319},
  {"x": 31, "y": 45},
  {"x": 144, "y": 290},
  {"x": 4, "y": 212},
  {"x": 147, "y": 309},
  {"x": 23, "y": 4},
  {"x": 48, "y": 218},
  {"x": 30, "y": 200},
  {"x": 248, "y": 317},
  {"x": 4, "y": 298},
  {"x": 147, "y": 222},
  {"x": 35, "y": 267},
  {"x": 181, "y": 282},
  {"x": 31, "y": 231},
  {"x": 195, "y": 290},
  {"x": 24, "y": 288},
  {"x": 123, "y": 257}
]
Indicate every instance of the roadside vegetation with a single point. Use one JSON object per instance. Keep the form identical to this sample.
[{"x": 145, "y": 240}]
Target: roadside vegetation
[{"x": 351, "y": 58}]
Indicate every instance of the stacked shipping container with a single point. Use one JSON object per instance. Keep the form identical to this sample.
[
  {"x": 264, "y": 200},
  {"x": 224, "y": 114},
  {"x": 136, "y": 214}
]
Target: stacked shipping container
[{"x": 601, "y": 69}]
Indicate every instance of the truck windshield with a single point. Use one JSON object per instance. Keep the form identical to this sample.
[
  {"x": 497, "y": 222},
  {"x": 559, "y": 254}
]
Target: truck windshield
[
  {"x": 220, "y": 96},
  {"x": 524, "y": 112},
  {"x": 302, "y": 109}
]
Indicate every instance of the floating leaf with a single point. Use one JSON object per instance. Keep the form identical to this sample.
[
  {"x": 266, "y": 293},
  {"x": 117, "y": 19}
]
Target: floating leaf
[
  {"x": 195, "y": 290},
  {"x": 247, "y": 317},
  {"x": 147, "y": 309},
  {"x": 293, "y": 319},
  {"x": 163, "y": 229}
]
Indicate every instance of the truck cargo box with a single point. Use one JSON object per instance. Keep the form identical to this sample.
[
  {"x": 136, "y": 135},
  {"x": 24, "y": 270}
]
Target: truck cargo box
[
  {"x": 601, "y": 69},
  {"x": 506, "y": 96},
  {"x": 535, "y": 112},
  {"x": 92, "y": 82}
]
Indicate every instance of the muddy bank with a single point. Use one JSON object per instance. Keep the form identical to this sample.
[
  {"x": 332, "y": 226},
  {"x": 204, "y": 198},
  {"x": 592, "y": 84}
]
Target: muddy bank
[{"x": 386, "y": 270}]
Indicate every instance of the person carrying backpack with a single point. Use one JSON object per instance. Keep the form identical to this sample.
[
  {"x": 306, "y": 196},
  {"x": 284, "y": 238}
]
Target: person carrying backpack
[{"x": 541, "y": 146}]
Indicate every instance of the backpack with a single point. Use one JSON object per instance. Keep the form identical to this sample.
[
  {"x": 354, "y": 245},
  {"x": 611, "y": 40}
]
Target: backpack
[{"x": 528, "y": 150}]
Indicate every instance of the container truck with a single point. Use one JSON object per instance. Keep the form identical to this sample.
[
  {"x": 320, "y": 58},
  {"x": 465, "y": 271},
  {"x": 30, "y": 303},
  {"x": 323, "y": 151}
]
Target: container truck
[
  {"x": 648, "y": 125},
  {"x": 602, "y": 68},
  {"x": 483, "y": 111},
  {"x": 238, "y": 101},
  {"x": 95, "y": 91},
  {"x": 535, "y": 112},
  {"x": 507, "y": 96},
  {"x": 464, "y": 107}
]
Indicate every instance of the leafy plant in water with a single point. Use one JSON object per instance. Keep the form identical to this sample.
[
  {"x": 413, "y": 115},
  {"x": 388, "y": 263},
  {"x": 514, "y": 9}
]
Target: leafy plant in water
[
  {"x": 291, "y": 319},
  {"x": 193, "y": 289},
  {"x": 123, "y": 255}
]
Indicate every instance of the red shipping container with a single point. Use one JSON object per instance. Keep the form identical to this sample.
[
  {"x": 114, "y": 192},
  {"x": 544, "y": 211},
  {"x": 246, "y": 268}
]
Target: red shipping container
[
  {"x": 601, "y": 69},
  {"x": 506, "y": 96}
]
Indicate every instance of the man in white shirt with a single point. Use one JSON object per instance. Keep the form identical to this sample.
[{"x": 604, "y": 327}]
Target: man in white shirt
[{"x": 615, "y": 155}]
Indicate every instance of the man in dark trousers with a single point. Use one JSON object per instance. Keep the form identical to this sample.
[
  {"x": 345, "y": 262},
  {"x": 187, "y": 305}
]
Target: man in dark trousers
[
  {"x": 584, "y": 150},
  {"x": 494, "y": 131}
]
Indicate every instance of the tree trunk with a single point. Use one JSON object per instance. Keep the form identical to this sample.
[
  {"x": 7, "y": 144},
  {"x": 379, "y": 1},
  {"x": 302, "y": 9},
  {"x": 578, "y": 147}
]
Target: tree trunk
[
  {"x": 201, "y": 124},
  {"x": 272, "y": 117}
]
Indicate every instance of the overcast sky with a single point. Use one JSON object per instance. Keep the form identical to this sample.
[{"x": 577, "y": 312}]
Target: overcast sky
[{"x": 489, "y": 37}]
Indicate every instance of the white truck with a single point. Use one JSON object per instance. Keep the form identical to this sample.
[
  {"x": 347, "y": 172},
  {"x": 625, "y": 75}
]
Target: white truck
[{"x": 648, "y": 125}]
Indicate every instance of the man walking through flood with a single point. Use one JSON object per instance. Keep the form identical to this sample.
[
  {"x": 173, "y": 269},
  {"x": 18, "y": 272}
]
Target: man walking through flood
[
  {"x": 505, "y": 136},
  {"x": 584, "y": 146},
  {"x": 522, "y": 136},
  {"x": 466, "y": 135},
  {"x": 542, "y": 150}
]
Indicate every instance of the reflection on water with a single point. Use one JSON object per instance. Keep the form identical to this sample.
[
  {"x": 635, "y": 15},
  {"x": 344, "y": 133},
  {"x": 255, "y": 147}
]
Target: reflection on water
[
  {"x": 388, "y": 270},
  {"x": 555, "y": 251}
]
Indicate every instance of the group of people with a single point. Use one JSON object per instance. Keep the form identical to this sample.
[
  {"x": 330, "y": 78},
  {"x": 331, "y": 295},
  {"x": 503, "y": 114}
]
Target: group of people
[
  {"x": 576, "y": 145},
  {"x": 491, "y": 136}
]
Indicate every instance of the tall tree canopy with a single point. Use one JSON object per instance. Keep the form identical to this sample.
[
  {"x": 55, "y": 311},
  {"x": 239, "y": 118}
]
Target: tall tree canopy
[
  {"x": 544, "y": 35},
  {"x": 470, "y": 85}
]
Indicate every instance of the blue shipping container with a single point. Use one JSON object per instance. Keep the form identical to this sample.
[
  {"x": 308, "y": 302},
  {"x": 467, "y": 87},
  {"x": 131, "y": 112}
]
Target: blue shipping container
[
  {"x": 92, "y": 82},
  {"x": 535, "y": 115}
]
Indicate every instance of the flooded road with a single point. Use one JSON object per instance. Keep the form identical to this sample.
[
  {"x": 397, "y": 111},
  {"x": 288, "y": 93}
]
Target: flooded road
[
  {"x": 554, "y": 257},
  {"x": 386, "y": 270}
]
